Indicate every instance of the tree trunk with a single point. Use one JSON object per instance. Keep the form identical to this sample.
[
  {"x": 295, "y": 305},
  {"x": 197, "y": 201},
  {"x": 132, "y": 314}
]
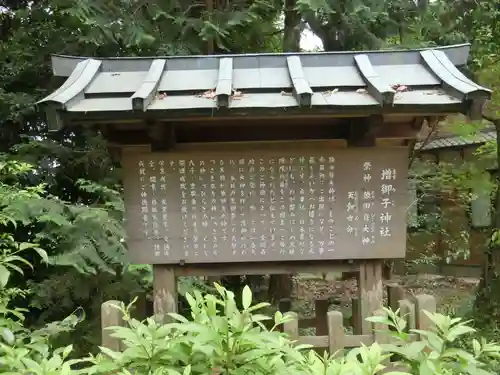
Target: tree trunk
[
  {"x": 487, "y": 303},
  {"x": 292, "y": 30}
]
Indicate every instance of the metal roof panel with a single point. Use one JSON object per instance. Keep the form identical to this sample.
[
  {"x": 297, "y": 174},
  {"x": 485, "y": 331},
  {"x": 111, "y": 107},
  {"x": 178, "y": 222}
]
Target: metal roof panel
[
  {"x": 270, "y": 78},
  {"x": 266, "y": 100},
  {"x": 424, "y": 97},
  {"x": 181, "y": 102},
  {"x": 107, "y": 82},
  {"x": 409, "y": 75},
  {"x": 188, "y": 80},
  {"x": 102, "y": 105},
  {"x": 333, "y": 76}
]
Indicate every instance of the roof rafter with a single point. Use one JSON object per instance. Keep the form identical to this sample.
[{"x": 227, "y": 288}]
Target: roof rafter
[
  {"x": 74, "y": 87},
  {"x": 376, "y": 86},
  {"x": 454, "y": 82},
  {"x": 224, "y": 87},
  {"x": 301, "y": 89},
  {"x": 143, "y": 97}
]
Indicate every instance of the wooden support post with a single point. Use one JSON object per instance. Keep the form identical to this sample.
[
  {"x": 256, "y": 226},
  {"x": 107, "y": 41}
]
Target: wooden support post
[
  {"x": 356, "y": 317},
  {"x": 321, "y": 311},
  {"x": 336, "y": 333},
  {"x": 111, "y": 316},
  {"x": 164, "y": 290},
  {"x": 370, "y": 291}
]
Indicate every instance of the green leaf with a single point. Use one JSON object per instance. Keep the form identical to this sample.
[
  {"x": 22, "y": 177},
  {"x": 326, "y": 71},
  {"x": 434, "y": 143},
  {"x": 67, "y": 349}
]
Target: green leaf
[
  {"x": 278, "y": 317},
  {"x": 110, "y": 353},
  {"x": 43, "y": 254},
  {"x": 67, "y": 351},
  {"x": 8, "y": 336},
  {"x": 246, "y": 297},
  {"x": 4, "y": 275}
]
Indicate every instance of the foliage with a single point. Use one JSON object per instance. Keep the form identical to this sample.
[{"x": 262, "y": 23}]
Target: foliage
[
  {"x": 437, "y": 351},
  {"x": 222, "y": 339},
  {"x": 179, "y": 26},
  {"x": 445, "y": 192}
]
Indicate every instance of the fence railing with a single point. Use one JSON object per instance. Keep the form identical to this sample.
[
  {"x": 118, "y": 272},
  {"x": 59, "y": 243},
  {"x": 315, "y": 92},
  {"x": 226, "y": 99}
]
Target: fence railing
[
  {"x": 333, "y": 336},
  {"x": 330, "y": 328}
]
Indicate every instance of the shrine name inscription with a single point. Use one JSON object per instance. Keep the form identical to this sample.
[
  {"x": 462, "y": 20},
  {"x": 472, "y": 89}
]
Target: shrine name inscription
[{"x": 253, "y": 206}]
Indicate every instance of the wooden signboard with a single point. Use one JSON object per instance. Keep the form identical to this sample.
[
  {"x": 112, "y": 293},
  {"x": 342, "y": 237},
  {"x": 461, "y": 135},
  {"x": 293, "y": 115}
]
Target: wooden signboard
[{"x": 285, "y": 202}]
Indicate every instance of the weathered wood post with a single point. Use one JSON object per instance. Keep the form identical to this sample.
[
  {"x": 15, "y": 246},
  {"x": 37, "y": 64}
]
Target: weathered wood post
[
  {"x": 425, "y": 302},
  {"x": 111, "y": 316},
  {"x": 370, "y": 292},
  {"x": 164, "y": 290},
  {"x": 336, "y": 333}
]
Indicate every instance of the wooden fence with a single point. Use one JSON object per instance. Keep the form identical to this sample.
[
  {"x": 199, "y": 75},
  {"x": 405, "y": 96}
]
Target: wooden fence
[
  {"x": 330, "y": 329},
  {"x": 331, "y": 333}
]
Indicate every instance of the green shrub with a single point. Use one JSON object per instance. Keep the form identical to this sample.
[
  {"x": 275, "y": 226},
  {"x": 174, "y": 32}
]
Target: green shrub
[{"x": 222, "y": 339}]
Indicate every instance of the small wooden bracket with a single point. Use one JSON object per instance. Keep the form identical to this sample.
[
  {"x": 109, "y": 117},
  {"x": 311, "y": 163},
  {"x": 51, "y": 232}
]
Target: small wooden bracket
[
  {"x": 161, "y": 135},
  {"x": 363, "y": 132}
]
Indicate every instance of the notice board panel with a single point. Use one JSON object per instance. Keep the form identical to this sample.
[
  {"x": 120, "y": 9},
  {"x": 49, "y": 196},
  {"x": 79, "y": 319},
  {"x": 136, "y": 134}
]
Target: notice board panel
[{"x": 249, "y": 204}]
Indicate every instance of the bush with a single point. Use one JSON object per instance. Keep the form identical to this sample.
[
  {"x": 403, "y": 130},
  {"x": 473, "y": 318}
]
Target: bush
[{"x": 222, "y": 339}]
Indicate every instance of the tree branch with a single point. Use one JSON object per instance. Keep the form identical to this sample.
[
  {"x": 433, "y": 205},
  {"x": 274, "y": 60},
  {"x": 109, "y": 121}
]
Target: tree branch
[
  {"x": 493, "y": 120},
  {"x": 424, "y": 143}
]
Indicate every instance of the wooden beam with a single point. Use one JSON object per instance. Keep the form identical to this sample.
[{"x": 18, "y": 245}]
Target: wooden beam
[
  {"x": 301, "y": 89},
  {"x": 264, "y": 268},
  {"x": 143, "y": 97},
  {"x": 224, "y": 82},
  {"x": 376, "y": 86}
]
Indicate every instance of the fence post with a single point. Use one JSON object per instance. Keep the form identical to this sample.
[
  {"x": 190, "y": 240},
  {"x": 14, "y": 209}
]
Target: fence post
[
  {"x": 380, "y": 330},
  {"x": 407, "y": 311},
  {"x": 336, "y": 333},
  {"x": 394, "y": 294},
  {"x": 428, "y": 303},
  {"x": 292, "y": 327},
  {"x": 320, "y": 312},
  {"x": 284, "y": 306},
  {"x": 381, "y": 333},
  {"x": 111, "y": 316}
]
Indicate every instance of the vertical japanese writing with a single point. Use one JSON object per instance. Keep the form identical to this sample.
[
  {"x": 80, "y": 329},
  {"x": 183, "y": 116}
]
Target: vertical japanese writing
[
  {"x": 322, "y": 186},
  {"x": 311, "y": 204},
  {"x": 219, "y": 218},
  {"x": 330, "y": 200},
  {"x": 368, "y": 206},
  {"x": 387, "y": 177},
  {"x": 282, "y": 206},
  {"x": 183, "y": 187},
  {"x": 144, "y": 198}
]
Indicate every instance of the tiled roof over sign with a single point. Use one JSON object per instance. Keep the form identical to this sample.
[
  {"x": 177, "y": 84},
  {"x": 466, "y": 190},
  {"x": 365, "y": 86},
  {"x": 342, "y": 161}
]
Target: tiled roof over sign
[
  {"x": 402, "y": 81},
  {"x": 446, "y": 142}
]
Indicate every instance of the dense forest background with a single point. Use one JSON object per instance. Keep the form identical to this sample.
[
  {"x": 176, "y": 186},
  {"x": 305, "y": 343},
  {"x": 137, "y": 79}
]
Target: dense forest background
[{"x": 77, "y": 215}]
